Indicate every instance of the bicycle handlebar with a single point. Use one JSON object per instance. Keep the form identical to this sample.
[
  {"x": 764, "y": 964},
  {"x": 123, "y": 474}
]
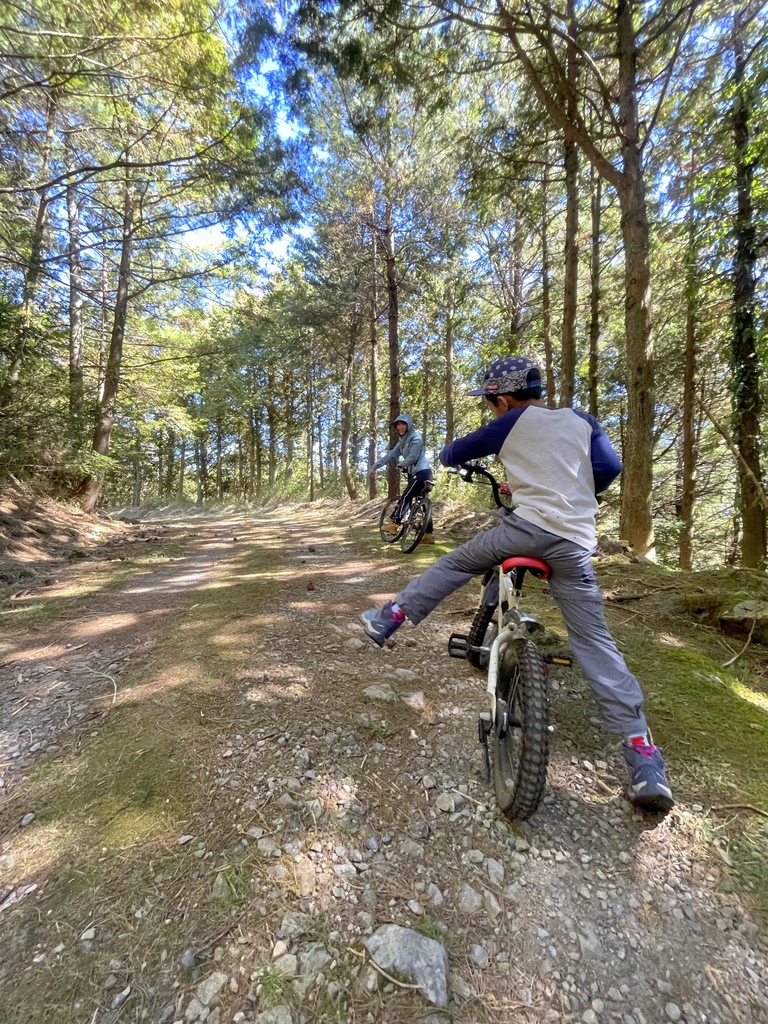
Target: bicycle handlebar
[{"x": 468, "y": 470}]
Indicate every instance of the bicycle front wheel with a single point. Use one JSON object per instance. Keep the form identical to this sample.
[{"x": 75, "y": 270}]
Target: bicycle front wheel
[
  {"x": 385, "y": 519},
  {"x": 520, "y": 737},
  {"x": 416, "y": 524}
]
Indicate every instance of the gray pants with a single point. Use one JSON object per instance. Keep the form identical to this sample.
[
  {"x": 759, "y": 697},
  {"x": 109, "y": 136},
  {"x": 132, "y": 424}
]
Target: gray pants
[{"x": 572, "y": 584}]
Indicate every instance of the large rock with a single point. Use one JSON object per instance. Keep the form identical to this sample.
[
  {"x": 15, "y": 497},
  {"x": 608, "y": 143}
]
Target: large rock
[
  {"x": 381, "y": 691},
  {"x": 739, "y": 620},
  {"x": 416, "y": 959}
]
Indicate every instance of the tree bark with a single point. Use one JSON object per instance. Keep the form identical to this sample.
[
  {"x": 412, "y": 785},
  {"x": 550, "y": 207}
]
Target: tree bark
[
  {"x": 76, "y": 326},
  {"x": 393, "y": 481},
  {"x": 450, "y": 426},
  {"x": 93, "y": 484},
  {"x": 219, "y": 472},
  {"x": 636, "y": 509},
  {"x": 745, "y": 361},
  {"x": 373, "y": 406},
  {"x": 272, "y": 426},
  {"x": 346, "y": 407},
  {"x": 546, "y": 301},
  {"x": 594, "y": 290},
  {"x": 34, "y": 264},
  {"x": 689, "y": 453},
  {"x": 571, "y": 255}
]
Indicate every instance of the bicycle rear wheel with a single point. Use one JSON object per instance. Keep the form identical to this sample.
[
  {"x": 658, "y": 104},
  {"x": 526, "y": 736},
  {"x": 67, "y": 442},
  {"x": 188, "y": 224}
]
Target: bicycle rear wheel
[
  {"x": 416, "y": 525},
  {"x": 385, "y": 518},
  {"x": 520, "y": 737}
]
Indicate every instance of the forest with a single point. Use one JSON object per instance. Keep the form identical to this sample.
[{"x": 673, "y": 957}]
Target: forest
[{"x": 237, "y": 240}]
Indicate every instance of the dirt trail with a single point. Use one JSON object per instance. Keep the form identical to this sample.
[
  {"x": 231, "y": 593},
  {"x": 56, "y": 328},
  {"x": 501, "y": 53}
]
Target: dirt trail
[{"x": 203, "y": 817}]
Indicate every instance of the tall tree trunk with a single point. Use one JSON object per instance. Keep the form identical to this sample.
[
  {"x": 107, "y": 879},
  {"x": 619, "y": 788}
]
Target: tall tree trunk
[
  {"x": 76, "y": 326},
  {"x": 515, "y": 285},
  {"x": 636, "y": 514},
  {"x": 346, "y": 407},
  {"x": 571, "y": 256},
  {"x": 373, "y": 405},
  {"x": 202, "y": 470},
  {"x": 690, "y": 453},
  {"x": 259, "y": 455},
  {"x": 450, "y": 312},
  {"x": 745, "y": 361},
  {"x": 137, "y": 481},
  {"x": 35, "y": 263},
  {"x": 393, "y": 482},
  {"x": 182, "y": 467},
  {"x": 311, "y": 437},
  {"x": 219, "y": 472},
  {"x": 93, "y": 485},
  {"x": 272, "y": 426},
  {"x": 290, "y": 440},
  {"x": 320, "y": 459},
  {"x": 170, "y": 471},
  {"x": 103, "y": 326},
  {"x": 594, "y": 288},
  {"x": 637, "y": 479},
  {"x": 251, "y": 454},
  {"x": 546, "y": 301}
]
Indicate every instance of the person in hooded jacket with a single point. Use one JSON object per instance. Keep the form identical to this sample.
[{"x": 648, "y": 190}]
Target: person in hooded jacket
[{"x": 408, "y": 453}]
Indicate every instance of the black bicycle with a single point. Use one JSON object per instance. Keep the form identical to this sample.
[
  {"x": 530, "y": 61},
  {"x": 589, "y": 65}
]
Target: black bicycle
[
  {"x": 413, "y": 522},
  {"x": 499, "y": 642}
]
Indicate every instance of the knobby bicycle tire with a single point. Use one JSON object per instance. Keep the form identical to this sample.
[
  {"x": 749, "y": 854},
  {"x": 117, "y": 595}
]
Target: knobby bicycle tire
[
  {"x": 384, "y": 518},
  {"x": 480, "y": 635},
  {"x": 416, "y": 526},
  {"x": 520, "y": 757}
]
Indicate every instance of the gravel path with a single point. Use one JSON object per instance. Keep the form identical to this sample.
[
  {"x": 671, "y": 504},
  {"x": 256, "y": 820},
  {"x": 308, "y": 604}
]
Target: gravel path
[{"x": 353, "y": 812}]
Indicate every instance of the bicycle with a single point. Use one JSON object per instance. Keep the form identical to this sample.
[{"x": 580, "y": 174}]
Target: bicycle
[
  {"x": 499, "y": 641},
  {"x": 413, "y": 524}
]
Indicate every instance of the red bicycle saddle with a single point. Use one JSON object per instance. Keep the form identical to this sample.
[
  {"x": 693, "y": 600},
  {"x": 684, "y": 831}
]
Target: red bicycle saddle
[{"x": 534, "y": 566}]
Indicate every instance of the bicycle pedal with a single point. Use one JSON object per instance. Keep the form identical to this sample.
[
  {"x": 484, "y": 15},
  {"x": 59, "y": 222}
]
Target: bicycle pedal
[
  {"x": 458, "y": 645},
  {"x": 557, "y": 659}
]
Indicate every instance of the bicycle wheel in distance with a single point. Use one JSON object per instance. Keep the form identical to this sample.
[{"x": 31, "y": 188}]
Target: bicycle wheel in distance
[
  {"x": 416, "y": 526},
  {"x": 520, "y": 752},
  {"x": 385, "y": 518}
]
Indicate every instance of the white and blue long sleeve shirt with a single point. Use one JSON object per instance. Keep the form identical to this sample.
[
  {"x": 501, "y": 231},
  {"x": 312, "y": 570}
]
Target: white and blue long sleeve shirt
[{"x": 556, "y": 461}]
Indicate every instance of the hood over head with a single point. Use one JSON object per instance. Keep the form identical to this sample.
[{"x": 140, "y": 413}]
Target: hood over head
[{"x": 404, "y": 418}]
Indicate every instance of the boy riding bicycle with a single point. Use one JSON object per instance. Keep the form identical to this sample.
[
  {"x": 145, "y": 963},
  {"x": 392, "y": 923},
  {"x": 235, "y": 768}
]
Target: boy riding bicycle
[
  {"x": 556, "y": 461},
  {"x": 409, "y": 454}
]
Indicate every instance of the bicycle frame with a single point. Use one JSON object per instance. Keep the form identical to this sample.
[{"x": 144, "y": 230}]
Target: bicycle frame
[{"x": 509, "y": 630}]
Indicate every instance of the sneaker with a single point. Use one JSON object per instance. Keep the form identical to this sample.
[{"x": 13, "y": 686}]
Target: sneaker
[
  {"x": 428, "y": 538},
  {"x": 648, "y": 787},
  {"x": 392, "y": 528},
  {"x": 380, "y": 623}
]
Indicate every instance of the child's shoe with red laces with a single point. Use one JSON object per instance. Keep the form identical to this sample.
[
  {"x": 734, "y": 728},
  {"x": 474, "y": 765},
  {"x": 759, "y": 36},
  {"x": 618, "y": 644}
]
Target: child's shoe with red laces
[
  {"x": 380, "y": 623},
  {"x": 648, "y": 787}
]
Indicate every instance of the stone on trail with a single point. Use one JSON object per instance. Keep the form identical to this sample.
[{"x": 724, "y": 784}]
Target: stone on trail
[
  {"x": 295, "y": 924},
  {"x": 470, "y": 901},
  {"x": 220, "y": 889},
  {"x": 208, "y": 990},
  {"x": 277, "y": 1015},
  {"x": 414, "y": 700},
  {"x": 417, "y": 959},
  {"x": 380, "y": 691}
]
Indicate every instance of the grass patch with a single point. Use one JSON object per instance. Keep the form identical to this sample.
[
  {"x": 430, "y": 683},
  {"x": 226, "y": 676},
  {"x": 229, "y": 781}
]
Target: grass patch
[{"x": 272, "y": 987}]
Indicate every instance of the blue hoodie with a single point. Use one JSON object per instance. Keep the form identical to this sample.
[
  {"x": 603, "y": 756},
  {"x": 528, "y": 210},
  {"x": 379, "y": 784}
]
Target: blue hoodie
[{"x": 409, "y": 450}]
